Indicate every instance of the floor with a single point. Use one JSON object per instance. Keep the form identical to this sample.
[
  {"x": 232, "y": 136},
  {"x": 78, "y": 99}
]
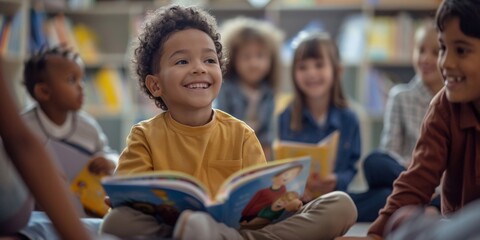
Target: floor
[{"x": 358, "y": 230}]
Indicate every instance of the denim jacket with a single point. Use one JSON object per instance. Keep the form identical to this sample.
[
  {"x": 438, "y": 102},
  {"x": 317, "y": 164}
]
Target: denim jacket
[
  {"x": 349, "y": 145},
  {"x": 232, "y": 100}
]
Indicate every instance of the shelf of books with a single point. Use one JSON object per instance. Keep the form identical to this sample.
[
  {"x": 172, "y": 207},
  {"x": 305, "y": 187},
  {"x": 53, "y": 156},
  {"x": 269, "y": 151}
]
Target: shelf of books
[
  {"x": 102, "y": 35},
  {"x": 102, "y": 32},
  {"x": 13, "y": 32}
]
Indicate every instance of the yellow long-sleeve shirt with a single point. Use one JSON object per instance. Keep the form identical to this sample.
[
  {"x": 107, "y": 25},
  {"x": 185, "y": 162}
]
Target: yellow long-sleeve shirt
[{"x": 210, "y": 153}]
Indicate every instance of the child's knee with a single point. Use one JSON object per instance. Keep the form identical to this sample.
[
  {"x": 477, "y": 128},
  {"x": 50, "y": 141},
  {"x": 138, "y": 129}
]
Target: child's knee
[
  {"x": 340, "y": 204},
  {"x": 117, "y": 222}
]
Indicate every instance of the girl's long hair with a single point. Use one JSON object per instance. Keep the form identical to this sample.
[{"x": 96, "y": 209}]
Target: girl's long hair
[
  {"x": 317, "y": 46},
  {"x": 241, "y": 30}
]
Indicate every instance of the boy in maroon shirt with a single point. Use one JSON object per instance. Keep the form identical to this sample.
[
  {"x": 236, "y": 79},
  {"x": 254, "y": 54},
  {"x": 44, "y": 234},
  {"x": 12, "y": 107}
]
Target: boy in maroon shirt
[{"x": 449, "y": 142}]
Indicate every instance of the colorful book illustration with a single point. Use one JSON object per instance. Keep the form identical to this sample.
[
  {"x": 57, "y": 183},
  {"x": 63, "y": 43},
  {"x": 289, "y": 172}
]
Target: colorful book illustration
[
  {"x": 249, "y": 198},
  {"x": 323, "y": 154},
  {"x": 74, "y": 162}
]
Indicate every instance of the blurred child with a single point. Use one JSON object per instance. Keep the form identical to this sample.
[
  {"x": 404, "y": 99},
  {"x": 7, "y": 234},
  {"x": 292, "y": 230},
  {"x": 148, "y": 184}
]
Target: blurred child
[
  {"x": 406, "y": 108},
  {"x": 54, "y": 78},
  {"x": 448, "y": 143},
  {"x": 41, "y": 178},
  {"x": 252, "y": 75},
  {"x": 320, "y": 108},
  {"x": 178, "y": 61}
]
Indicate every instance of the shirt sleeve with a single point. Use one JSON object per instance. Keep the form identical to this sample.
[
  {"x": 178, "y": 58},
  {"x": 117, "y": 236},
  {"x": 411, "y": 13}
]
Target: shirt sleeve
[
  {"x": 393, "y": 134},
  {"x": 416, "y": 185},
  {"x": 135, "y": 158},
  {"x": 347, "y": 171}
]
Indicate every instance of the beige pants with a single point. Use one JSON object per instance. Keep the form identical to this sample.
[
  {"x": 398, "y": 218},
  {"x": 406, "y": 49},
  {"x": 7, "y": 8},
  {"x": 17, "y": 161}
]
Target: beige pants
[{"x": 326, "y": 217}]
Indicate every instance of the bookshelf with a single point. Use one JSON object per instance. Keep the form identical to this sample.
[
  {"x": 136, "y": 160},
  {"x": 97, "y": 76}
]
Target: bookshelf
[
  {"x": 397, "y": 68},
  {"x": 115, "y": 23},
  {"x": 110, "y": 93},
  {"x": 113, "y": 26},
  {"x": 293, "y": 15},
  {"x": 12, "y": 61}
]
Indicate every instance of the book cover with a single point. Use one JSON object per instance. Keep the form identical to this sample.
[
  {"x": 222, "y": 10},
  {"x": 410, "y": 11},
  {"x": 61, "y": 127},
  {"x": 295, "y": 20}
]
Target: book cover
[
  {"x": 73, "y": 162},
  {"x": 88, "y": 189},
  {"x": 323, "y": 154},
  {"x": 250, "y": 198}
]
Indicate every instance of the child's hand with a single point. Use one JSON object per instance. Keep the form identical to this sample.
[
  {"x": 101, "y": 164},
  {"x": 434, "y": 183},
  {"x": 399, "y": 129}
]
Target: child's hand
[
  {"x": 107, "y": 201},
  {"x": 317, "y": 184},
  {"x": 293, "y": 205},
  {"x": 101, "y": 166}
]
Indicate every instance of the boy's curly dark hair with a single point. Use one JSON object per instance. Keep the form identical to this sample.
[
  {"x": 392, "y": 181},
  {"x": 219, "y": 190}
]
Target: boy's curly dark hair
[
  {"x": 158, "y": 27},
  {"x": 467, "y": 11},
  {"x": 35, "y": 67}
]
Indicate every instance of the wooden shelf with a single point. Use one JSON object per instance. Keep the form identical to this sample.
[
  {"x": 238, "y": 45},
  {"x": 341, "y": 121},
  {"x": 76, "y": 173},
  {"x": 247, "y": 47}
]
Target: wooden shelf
[
  {"x": 392, "y": 63},
  {"x": 9, "y": 7},
  {"x": 102, "y": 8},
  {"x": 419, "y": 5},
  {"x": 117, "y": 60},
  {"x": 321, "y": 7}
]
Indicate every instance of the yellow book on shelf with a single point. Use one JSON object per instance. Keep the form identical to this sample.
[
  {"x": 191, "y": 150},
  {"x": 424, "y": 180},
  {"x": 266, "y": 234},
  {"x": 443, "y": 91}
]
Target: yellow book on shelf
[
  {"x": 323, "y": 154},
  {"x": 86, "y": 41},
  {"x": 109, "y": 86},
  {"x": 88, "y": 188},
  {"x": 382, "y": 39}
]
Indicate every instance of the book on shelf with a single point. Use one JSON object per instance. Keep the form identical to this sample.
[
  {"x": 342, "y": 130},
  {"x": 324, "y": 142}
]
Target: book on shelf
[
  {"x": 74, "y": 164},
  {"x": 323, "y": 154},
  {"x": 10, "y": 34},
  {"x": 38, "y": 37},
  {"x": 250, "y": 198},
  {"x": 109, "y": 86}
]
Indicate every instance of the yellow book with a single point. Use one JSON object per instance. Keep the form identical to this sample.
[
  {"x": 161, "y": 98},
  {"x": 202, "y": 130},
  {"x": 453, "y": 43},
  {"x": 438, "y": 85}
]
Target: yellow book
[
  {"x": 109, "y": 86},
  {"x": 87, "y": 43},
  {"x": 323, "y": 154},
  {"x": 88, "y": 188}
]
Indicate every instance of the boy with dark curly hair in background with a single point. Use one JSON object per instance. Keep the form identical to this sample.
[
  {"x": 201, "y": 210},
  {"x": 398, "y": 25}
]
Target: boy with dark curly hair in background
[
  {"x": 54, "y": 78},
  {"x": 178, "y": 61}
]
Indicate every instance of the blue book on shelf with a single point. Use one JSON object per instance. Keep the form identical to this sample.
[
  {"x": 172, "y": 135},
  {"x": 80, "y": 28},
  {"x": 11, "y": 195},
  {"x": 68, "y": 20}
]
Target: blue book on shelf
[
  {"x": 14, "y": 40},
  {"x": 37, "y": 34}
]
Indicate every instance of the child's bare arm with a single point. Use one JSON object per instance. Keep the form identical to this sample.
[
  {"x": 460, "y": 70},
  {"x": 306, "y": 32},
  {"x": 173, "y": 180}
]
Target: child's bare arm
[{"x": 37, "y": 170}]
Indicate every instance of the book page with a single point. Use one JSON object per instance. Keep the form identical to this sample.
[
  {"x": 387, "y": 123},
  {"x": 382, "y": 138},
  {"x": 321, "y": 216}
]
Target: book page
[
  {"x": 155, "y": 193},
  {"x": 255, "y": 189},
  {"x": 323, "y": 153}
]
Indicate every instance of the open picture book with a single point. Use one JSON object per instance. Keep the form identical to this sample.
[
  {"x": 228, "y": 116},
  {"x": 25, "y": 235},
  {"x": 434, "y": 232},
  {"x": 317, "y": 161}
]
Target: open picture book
[
  {"x": 259, "y": 194},
  {"x": 323, "y": 153}
]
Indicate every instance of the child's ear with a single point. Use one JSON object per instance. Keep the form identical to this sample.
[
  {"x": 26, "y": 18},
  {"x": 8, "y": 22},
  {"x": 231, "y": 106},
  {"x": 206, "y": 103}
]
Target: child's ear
[
  {"x": 152, "y": 84},
  {"x": 41, "y": 92}
]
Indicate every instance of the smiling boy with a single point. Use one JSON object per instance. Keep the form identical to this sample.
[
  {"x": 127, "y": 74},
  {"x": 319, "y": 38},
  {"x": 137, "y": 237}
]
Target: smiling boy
[
  {"x": 449, "y": 141},
  {"x": 178, "y": 61}
]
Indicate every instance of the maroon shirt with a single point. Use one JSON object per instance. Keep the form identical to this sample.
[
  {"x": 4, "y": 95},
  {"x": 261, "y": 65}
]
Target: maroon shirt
[{"x": 449, "y": 141}]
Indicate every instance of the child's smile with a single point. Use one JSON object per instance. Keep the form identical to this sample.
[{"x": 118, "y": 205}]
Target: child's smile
[
  {"x": 190, "y": 76},
  {"x": 458, "y": 61},
  {"x": 200, "y": 85}
]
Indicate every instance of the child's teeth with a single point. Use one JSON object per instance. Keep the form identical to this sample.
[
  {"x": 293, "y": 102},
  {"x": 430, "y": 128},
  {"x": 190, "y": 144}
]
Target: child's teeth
[{"x": 197, "y": 85}]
